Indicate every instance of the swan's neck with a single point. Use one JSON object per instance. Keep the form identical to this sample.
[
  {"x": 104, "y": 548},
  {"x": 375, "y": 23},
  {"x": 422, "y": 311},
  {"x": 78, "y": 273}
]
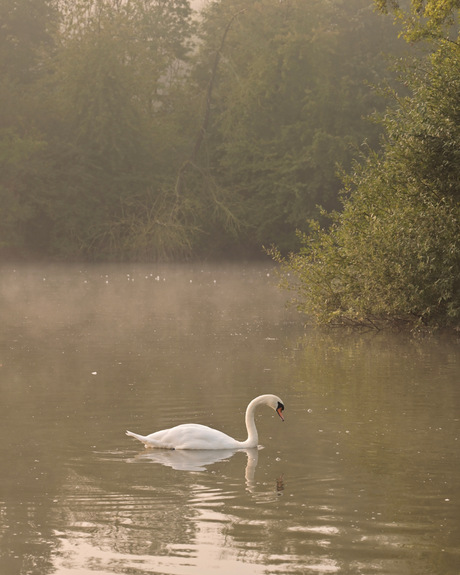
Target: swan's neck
[{"x": 253, "y": 437}]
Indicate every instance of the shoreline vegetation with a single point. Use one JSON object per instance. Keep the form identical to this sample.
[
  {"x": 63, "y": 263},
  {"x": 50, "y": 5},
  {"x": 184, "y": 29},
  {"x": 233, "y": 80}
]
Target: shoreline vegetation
[{"x": 391, "y": 255}]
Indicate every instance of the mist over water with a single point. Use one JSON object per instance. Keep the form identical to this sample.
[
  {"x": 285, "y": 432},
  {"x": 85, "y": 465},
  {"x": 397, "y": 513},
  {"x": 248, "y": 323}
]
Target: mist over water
[{"x": 362, "y": 477}]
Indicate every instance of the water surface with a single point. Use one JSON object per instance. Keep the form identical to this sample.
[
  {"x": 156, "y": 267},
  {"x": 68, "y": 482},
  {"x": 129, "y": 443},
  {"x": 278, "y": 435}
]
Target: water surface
[{"x": 361, "y": 478}]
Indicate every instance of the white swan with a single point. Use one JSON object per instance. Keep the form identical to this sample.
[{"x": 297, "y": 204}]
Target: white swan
[{"x": 195, "y": 436}]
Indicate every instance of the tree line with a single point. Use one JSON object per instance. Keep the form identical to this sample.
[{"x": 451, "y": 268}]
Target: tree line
[{"x": 140, "y": 130}]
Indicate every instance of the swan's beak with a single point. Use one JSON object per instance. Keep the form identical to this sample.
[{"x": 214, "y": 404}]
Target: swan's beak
[{"x": 279, "y": 411}]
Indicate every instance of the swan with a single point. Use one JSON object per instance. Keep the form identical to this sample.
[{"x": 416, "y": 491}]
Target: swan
[{"x": 195, "y": 436}]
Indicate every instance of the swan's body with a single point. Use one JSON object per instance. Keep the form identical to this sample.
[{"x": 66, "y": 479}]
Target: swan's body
[{"x": 195, "y": 436}]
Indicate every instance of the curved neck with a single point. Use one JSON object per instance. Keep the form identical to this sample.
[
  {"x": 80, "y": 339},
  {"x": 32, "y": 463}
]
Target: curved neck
[{"x": 253, "y": 437}]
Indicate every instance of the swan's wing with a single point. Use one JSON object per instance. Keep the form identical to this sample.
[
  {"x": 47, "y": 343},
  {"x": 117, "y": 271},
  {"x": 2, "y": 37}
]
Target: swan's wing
[{"x": 191, "y": 436}]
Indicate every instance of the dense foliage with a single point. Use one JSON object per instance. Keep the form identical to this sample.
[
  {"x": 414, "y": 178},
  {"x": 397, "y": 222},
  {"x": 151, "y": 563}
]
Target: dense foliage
[
  {"x": 290, "y": 105},
  {"x": 424, "y": 18},
  {"x": 132, "y": 130},
  {"x": 393, "y": 252}
]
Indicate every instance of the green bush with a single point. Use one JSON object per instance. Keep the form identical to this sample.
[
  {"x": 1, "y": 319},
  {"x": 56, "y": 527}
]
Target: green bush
[{"x": 393, "y": 253}]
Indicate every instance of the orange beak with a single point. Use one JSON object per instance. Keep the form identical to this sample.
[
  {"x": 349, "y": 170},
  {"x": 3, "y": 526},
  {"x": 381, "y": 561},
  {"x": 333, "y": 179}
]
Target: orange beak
[{"x": 279, "y": 411}]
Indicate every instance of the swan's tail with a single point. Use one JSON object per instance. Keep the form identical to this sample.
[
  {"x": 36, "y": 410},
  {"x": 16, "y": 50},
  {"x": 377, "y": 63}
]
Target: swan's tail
[{"x": 141, "y": 438}]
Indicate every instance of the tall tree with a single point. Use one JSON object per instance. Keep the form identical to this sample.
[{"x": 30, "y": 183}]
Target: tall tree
[
  {"x": 115, "y": 77},
  {"x": 26, "y": 41},
  {"x": 290, "y": 103}
]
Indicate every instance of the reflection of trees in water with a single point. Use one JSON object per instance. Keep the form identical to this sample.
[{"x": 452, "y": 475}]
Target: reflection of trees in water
[
  {"x": 149, "y": 508},
  {"x": 111, "y": 512},
  {"x": 377, "y": 413},
  {"x": 386, "y": 391},
  {"x": 27, "y": 491},
  {"x": 32, "y": 469}
]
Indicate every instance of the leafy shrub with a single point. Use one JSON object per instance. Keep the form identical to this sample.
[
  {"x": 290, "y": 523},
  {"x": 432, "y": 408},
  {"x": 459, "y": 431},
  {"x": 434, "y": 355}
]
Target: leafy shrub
[{"x": 393, "y": 253}]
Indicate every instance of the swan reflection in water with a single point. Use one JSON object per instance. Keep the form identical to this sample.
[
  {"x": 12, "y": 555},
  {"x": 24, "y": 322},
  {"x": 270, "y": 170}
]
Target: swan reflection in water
[{"x": 198, "y": 460}]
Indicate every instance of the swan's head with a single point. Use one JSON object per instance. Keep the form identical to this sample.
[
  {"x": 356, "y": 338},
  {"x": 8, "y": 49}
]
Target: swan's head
[
  {"x": 272, "y": 401},
  {"x": 279, "y": 410},
  {"x": 276, "y": 403}
]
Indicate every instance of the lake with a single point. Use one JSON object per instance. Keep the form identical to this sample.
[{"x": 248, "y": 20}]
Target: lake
[{"x": 362, "y": 477}]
